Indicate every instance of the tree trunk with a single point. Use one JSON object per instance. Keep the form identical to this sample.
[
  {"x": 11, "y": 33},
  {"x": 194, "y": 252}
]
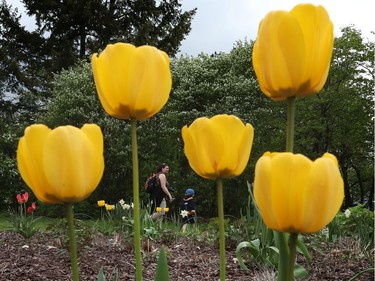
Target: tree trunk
[
  {"x": 361, "y": 188},
  {"x": 348, "y": 201},
  {"x": 371, "y": 198}
]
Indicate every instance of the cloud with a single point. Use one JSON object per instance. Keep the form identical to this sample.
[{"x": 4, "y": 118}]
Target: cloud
[{"x": 218, "y": 24}]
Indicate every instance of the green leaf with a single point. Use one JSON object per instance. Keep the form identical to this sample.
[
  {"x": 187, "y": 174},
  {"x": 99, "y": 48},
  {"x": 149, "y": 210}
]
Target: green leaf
[
  {"x": 162, "y": 273},
  {"x": 301, "y": 247},
  {"x": 275, "y": 249},
  {"x": 254, "y": 250},
  {"x": 101, "y": 276},
  {"x": 300, "y": 271}
]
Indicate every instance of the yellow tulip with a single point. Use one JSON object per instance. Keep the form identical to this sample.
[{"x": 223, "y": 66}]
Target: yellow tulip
[
  {"x": 101, "y": 203},
  {"x": 292, "y": 53},
  {"x": 132, "y": 82},
  {"x": 159, "y": 209},
  {"x": 295, "y": 194},
  {"x": 61, "y": 165},
  {"x": 109, "y": 207},
  {"x": 218, "y": 147}
]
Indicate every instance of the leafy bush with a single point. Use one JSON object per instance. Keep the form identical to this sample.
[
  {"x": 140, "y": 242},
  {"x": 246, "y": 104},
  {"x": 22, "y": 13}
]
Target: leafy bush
[{"x": 356, "y": 222}]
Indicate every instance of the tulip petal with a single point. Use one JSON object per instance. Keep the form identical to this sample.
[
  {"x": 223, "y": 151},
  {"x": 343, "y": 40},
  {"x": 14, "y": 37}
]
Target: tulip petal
[
  {"x": 292, "y": 53},
  {"x": 218, "y": 147},
  {"x": 202, "y": 152},
  {"x": 279, "y": 47},
  {"x": 318, "y": 37},
  {"x": 30, "y": 164},
  {"x": 95, "y": 136},
  {"x": 132, "y": 82},
  {"x": 296, "y": 195},
  {"x": 286, "y": 184},
  {"x": 61, "y": 165},
  {"x": 148, "y": 67},
  {"x": 237, "y": 140},
  {"x": 325, "y": 179},
  {"x": 263, "y": 191},
  {"x": 110, "y": 69},
  {"x": 69, "y": 170}
]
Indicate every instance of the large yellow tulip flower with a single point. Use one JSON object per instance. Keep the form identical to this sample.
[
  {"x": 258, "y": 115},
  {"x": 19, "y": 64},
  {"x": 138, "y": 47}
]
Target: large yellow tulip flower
[
  {"x": 63, "y": 165},
  {"x": 132, "y": 82},
  {"x": 218, "y": 147},
  {"x": 295, "y": 194},
  {"x": 292, "y": 53}
]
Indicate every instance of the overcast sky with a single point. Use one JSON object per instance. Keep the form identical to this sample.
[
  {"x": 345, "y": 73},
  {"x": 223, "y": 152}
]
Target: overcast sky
[{"x": 218, "y": 24}]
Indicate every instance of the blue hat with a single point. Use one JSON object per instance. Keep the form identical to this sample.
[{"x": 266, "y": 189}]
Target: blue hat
[{"x": 190, "y": 192}]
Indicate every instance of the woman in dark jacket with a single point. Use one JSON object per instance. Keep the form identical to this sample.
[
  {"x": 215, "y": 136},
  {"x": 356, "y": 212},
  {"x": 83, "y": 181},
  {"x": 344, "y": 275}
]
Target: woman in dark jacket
[{"x": 161, "y": 192}]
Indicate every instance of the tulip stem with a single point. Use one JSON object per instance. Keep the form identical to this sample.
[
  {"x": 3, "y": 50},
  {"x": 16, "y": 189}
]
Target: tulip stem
[
  {"x": 220, "y": 209},
  {"x": 72, "y": 240},
  {"x": 285, "y": 255},
  {"x": 290, "y": 124},
  {"x": 137, "y": 223},
  {"x": 282, "y": 273},
  {"x": 293, "y": 237}
]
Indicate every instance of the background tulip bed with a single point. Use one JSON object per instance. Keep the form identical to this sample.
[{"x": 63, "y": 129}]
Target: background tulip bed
[{"x": 338, "y": 252}]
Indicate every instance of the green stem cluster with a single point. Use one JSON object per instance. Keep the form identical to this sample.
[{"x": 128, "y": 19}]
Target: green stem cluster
[
  {"x": 287, "y": 250},
  {"x": 220, "y": 209},
  {"x": 137, "y": 222}
]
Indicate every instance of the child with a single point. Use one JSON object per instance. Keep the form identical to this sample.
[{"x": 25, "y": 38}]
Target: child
[{"x": 188, "y": 209}]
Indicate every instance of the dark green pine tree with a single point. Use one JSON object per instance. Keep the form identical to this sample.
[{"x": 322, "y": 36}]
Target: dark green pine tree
[{"x": 69, "y": 30}]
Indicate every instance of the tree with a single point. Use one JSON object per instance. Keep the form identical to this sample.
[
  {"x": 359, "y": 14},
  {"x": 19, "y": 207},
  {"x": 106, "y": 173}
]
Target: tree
[
  {"x": 75, "y": 102},
  {"x": 340, "y": 118},
  {"x": 67, "y": 31},
  {"x": 71, "y": 30},
  {"x": 22, "y": 64},
  {"x": 217, "y": 84}
]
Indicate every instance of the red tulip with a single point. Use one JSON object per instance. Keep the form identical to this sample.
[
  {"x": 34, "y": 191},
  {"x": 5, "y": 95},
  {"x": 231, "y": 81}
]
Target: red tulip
[
  {"x": 25, "y": 197},
  {"x": 22, "y": 198}
]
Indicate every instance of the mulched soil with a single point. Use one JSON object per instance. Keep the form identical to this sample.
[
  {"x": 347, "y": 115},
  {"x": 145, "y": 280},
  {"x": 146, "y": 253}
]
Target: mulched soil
[{"x": 45, "y": 257}]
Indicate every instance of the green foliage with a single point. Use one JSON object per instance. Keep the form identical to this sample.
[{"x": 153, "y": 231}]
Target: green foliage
[
  {"x": 163, "y": 230},
  {"x": 260, "y": 240},
  {"x": 261, "y": 249},
  {"x": 23, "y": 223},
  {"x": 119, "y": 219},
  {"x": 340, "y": 118},
  {"x": 355, "y": 277},
  {"x": 205, "y": 86},
  {"x": 112, "y": 277},
  {"x": 75, "y": 103},
  {"x": 356, "y": 222},
  {"x": 162, "y": 272},
  {"x": 39, "y": 76},
  {"x": 84, "y": 231},
  {"x": 22, "y": 219}
]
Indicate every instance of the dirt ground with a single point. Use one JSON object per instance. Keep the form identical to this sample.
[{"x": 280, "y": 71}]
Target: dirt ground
[{"x": 45, "y": 257}]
